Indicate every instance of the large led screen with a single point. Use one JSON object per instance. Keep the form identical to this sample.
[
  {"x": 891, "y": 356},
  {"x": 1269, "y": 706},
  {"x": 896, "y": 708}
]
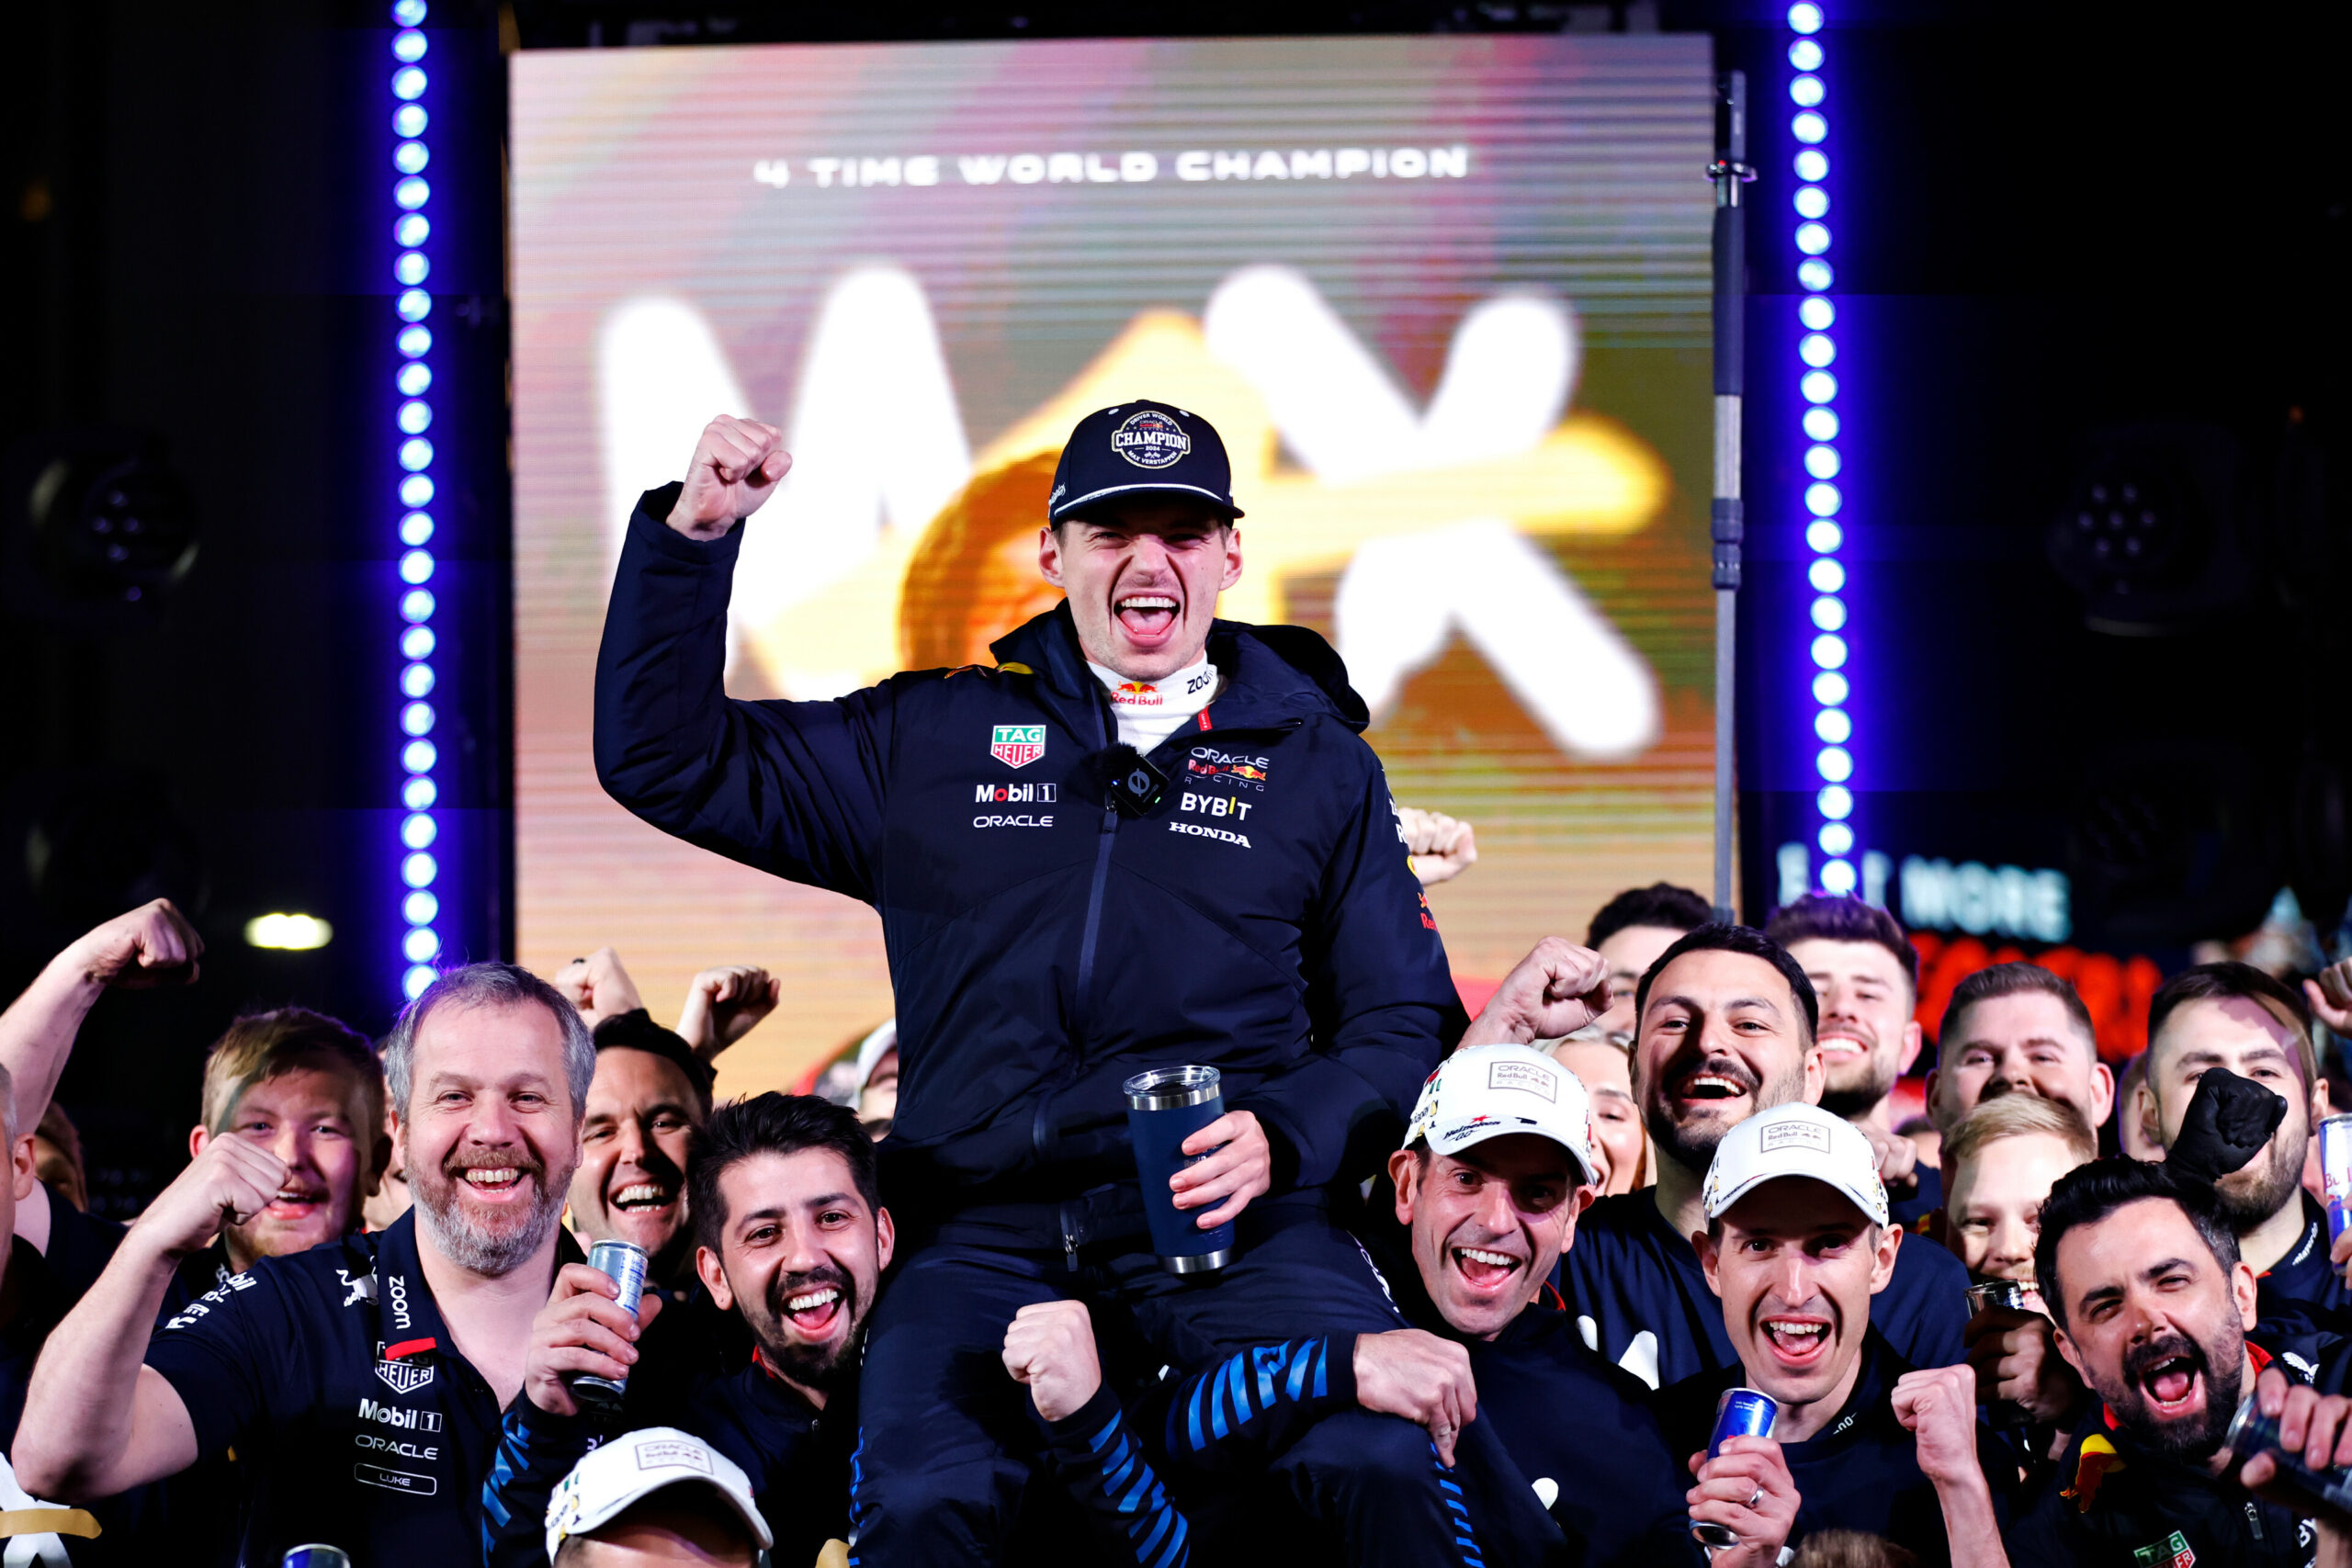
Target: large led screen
[{"x": 1447, "y": 298}]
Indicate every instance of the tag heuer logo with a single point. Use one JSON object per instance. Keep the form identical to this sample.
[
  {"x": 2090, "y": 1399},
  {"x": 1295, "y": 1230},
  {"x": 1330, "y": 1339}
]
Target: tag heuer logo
[
  {"x": 402, "y": 1377},
  {"x": 2172, "y": 1552},
  {"x": 1017, "y": 745}
]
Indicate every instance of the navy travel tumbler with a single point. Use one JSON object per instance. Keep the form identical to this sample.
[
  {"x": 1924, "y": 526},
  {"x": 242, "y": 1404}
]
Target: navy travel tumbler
[{"x": 1165, "y": 1107}]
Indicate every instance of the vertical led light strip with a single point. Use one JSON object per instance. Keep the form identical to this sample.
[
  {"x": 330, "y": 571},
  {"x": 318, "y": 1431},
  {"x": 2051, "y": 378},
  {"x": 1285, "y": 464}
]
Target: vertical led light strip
[
  {"x": 412, "y": 416},
  {"x": 1825, "y": 534}
]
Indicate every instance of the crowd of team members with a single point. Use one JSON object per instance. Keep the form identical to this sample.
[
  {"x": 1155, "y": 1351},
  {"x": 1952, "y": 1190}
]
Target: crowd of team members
[{"x": 1589, "y": 1239}]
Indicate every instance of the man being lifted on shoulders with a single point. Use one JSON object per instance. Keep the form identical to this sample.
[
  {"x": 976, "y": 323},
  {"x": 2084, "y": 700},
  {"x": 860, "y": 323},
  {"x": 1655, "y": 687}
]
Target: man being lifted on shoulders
[{"x": 1146, "y": 838}]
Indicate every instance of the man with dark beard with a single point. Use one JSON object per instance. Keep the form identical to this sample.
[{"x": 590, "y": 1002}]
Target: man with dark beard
[
  {"x": 793, "y": 1237},
  {"x": 1726, "y": 1023},
  {"x": 2154, "y": 1308},
  {"x": 360, "y": 1382},
  {"x": 2233, "y": 1016},
  {"x": 1866, "y": 974}
]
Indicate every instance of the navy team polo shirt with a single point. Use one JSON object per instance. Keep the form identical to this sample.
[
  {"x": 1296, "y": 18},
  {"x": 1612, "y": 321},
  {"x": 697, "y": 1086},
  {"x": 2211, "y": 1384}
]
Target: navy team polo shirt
[
  {"x": 1636, "y": 1287},
  {"x": 332, "y": 1375}
]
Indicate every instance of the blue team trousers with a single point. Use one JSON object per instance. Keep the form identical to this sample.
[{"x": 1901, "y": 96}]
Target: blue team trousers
[{"x": 948, "y": 1440}]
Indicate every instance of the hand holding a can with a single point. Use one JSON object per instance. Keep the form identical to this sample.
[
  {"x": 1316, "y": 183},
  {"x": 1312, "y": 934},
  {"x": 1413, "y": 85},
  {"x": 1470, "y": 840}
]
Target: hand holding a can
[
  {"x": 1242, "y": 1169},
  {"x": 583, "y": 1329},
  {"x": 1746, "y": 1490},
  {"x": 2304, "y": 1425}
]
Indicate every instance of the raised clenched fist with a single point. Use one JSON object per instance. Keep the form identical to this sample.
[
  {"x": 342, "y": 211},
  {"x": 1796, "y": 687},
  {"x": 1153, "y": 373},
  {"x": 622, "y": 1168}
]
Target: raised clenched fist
[
  {"x": 735, "y": 469},
  {"x": 152, "y": 945}
]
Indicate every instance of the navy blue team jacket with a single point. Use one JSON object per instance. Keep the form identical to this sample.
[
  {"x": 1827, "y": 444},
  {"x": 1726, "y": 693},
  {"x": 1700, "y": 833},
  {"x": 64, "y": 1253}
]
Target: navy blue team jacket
[{"x": 1261, "y": 918}]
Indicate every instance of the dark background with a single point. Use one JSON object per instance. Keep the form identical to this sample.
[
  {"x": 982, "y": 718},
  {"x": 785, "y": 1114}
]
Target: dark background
[{"x": 2114, "y": 239}]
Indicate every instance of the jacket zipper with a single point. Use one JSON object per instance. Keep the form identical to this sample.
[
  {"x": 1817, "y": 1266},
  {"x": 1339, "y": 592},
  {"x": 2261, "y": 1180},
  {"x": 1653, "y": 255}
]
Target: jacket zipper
[{"x": 1079, "y": 1010}]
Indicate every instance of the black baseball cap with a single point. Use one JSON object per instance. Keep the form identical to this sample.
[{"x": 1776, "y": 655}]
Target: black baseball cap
[{"x": 1137, "y": 449}]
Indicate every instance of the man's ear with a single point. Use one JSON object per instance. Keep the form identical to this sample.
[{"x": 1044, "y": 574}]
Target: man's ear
[
  {"x": 1889, "y": 1241},
  {"x": 1232, "y": 557},
  {"x": 2102, "y": 1092},
  {"x": 2320, "y": 1107},
  {"x": 1913, "y": 1040},
  {"x": 1049, "y": 556},
  {"x": 2066, "y": 1348},
  {"x": 1817, "y": 1074},
  {"x": 1403, "y": 1168},
  {"x": 20, "y": 1168},
  {"x": 2151, "y": 1119},
  {"x": 196, "y": 1138},
  {"x": 1710, "y": 1259},
  {"x": 2242, "y": 1288},
  {"x": 1927, "y": 1094},
  {"x": 886, "y": 1237},
  {"x": 714, "y": 1279}
]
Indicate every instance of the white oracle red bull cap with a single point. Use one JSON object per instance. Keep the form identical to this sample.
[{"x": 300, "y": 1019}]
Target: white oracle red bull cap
[
  {"x": 1794, "y": 1140},
  {"x": 1488, "y": 1091},
  {"x": 633, "y": 1467}
]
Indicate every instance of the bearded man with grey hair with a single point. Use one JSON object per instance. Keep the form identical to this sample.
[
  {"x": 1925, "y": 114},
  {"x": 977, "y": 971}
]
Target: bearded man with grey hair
[{"x": 360, "y": 1382}]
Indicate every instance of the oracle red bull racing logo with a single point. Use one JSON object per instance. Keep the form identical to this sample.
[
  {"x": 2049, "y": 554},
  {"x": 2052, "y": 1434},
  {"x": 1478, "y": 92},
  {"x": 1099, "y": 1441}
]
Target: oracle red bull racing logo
[
  {"x": 1207, "y": 762},
  {"x": 1017, "y": 745}
]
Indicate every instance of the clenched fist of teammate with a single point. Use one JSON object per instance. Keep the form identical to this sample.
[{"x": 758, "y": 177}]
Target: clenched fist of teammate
[
  {"x": 228, "y": 1184},
  {"x": 1556, "y": 989},
  {"x": 736, "y": 467}
]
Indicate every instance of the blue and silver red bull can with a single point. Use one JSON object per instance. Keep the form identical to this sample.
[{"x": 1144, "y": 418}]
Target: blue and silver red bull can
[
  {"x": 624, "y": 1263},
  {"x": 2335, "y": 1172},
  {"x": 314, "y": 1556},
  {"x": 1740, "y": 1413}
]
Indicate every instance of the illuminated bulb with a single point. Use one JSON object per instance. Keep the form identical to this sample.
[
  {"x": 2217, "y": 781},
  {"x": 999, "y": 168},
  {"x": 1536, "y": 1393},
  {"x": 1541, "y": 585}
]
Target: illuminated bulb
[
  {"x": 417, "y": 643},
  {"x": 1823, "y": 535},
  {"x": 416, "y": 718},
  {"x": 416, "y": 680},
  {"x": 1821, "y": 499},
  {"x": 414, "y": 343},
  {"x": 1829, "y": 614},
  {"x": 1806, "y": 91},
  {"x": 1821, "y": 462},
  {"x": 1836, "y": 803},
  {"x": 1826, "y": 577},
  {"x": 1805, "y": 55},
  {"x": 1817, "y": 349},
  {"x": 410, "y": 157},
  {"x": 413, "y": 192},
  {"x": 418, "y": 794},
  {"x": 409, "y": 120},
  {"x": 410, "y": 268},
  {"x": 1821, "y": 424},
  {"x": 1814, "y": 274},
  {"x": 1809, "y": 127},
  {"x": 1829, "y": 651},
  {"x": 408, "y": 44},
  {"x": 418, "y": 756},
  {"x": 420, "y": 945},
  {"x": 412, "y": 231},
  {"x": 1835, "y": 764},
  {"x": 418, "y": 869},
  {"x": 288, "y": 933},
  {"x": 417, "y": 831},
  {"x": 1829, "y": 689},
  {"x": 413, "y": 983},
  {"x": 412, "y": 378},
  {"x": 420, "y": 908},
  {"x": 1804, "y": 17},
  {"x": 1812, "y": 165},
  {"x": 1834, "y": 725},
  {"x": 408, "y": 12},
  {"x": 416, "y": 528},
  {"x": 1836, "y": 838},
  {"x": 1812, "y": 238},
  {"x": 1816, "y": 312},
  {"x": 1818, "y": 386},
  {"x": 408, "y": 84},
  {"x": 1838, "y": 876},
  {"x": 416, "y": 605},
  {"x": 413, "y": 304}
]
